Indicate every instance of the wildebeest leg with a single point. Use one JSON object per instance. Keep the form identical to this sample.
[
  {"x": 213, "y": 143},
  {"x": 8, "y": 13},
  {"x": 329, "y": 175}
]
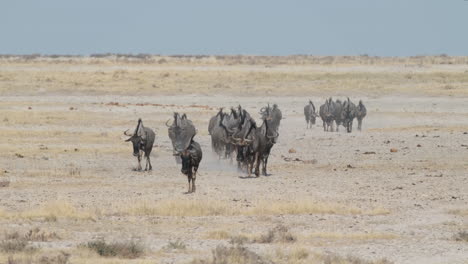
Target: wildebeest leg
[
  {"x": 194, "y": 177},
  {"x": 359, "y": 124},
  {"x": 265, "y": 162},
  {"x": 139, "y": 162},
  {"x": 258, "y": 159},
  {"x": 148, "y": 163},
  {"x": 189, "y": 178},
  {"x": 324, "y": 126}
]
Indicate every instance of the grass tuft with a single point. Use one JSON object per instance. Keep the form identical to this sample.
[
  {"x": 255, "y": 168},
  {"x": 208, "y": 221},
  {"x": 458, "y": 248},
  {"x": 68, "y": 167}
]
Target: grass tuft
[
  {"x": 232, "y": 254},
  {"x": 129, "y": 250},
  {"x": 461, "y": 236}
]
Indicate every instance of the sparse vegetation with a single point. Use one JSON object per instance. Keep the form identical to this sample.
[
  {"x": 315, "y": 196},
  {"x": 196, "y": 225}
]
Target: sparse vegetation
[
  {"x": 128, "y": 250},
  {"x": 216, "y": 207},
  {"x": 218, "y": 234},
  {"x": 352, "y": 236},
  {"x": 278, "y": 234},
  {"x": 462, "y": 236},
  {"x": 234, "y": 254},
  {"x": 175, "y": 245},
  {"x": 337, "y": 259},
  {"x": 45, "y": 258},
  {"x": 51, "y": 212}
]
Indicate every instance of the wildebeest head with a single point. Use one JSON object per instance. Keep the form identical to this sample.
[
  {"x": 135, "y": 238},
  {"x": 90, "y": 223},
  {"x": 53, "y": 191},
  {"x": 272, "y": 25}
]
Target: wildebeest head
[
  {"x": 310, "y": 112},
  {"x": 181, "y": 132},
  {"x": 137, "y": 138}
]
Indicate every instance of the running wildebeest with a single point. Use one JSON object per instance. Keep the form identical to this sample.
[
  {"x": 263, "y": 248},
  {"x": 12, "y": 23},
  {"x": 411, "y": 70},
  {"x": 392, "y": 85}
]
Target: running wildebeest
[
  {"x": 361, "y": 112},
  {"x": 142, "y": 140},
  {"x": 310, "y": 114},
  {"x": 326, "y": 113},
  {"x": 221, "y": 128},
  {"x": 258, "y": 142},
  {"x": 337, "y": 109},
  {"x": 219, "y": 133},
  {"x": 181, "y": 132},
  {"x": 348, "y": 114}
]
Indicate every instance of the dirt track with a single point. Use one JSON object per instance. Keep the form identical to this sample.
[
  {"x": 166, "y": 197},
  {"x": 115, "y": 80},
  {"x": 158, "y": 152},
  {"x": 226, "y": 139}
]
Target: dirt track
[{"x": 67, "y": 153}]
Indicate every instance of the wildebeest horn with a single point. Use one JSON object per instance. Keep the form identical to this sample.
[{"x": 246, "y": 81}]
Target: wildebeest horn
[
  {"x": 125, "y": 133},
  {"x": 168, "y": 122}
]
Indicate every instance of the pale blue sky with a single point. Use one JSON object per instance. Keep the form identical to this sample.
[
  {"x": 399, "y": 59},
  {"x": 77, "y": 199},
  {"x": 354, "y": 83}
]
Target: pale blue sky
[{"x": 256, "y": 27}]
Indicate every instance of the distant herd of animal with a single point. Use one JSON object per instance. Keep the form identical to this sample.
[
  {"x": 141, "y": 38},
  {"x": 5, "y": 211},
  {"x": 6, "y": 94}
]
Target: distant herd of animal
[{"x": 237, "y": 134}]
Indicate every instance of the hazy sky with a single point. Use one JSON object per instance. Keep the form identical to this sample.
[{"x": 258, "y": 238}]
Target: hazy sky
[{"x": 257, "y": 27}]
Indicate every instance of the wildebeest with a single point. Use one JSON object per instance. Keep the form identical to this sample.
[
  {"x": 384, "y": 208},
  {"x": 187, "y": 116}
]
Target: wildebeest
[
  {"x": 221, "y": 128},
  {"x": 326, "y": 113},
  {"x": 142, "y": 140},
  {"x": 181, "y": 132},
  {"x": 361, "y": 112},
  {"x": 337, "y": 109},
  {"x": 257, "y": 143},
  {"x": 310, "y": 114},
  {"x": 219, "y": 133},
  {"x": 348, "y": 114}
]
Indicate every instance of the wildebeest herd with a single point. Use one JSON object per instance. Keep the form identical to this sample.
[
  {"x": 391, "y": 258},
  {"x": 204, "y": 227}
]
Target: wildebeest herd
[
  {"x": 336, "y": 113},
  {"x": 236, "y": 134}
]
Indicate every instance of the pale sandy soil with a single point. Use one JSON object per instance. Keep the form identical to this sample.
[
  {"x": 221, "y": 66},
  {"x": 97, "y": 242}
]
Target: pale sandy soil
[{"x": 69, "y": 171}]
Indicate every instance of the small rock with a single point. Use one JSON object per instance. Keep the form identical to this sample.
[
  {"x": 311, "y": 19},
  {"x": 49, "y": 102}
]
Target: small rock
[
  {"x": 19, "y": 155},
  {"x": 393, "y": 150},
  {"x": 369, "y": 152},
  {"x": 418, "y": 145},
  {"x": 350, "y": 166},
  {"x": 29, "y": 107},
  {"x": 292, "y": 150}
]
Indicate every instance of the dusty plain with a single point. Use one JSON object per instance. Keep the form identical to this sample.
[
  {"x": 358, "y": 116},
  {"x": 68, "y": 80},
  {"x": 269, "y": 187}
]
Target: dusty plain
[{"x": 68, "y": 176}]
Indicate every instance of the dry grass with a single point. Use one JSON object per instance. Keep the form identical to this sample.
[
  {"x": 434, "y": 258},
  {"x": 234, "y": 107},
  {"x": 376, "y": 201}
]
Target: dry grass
[
  {"x": 352, "y": 236},
  {"x": 60, "y": 257},
  {"x": 179, "y": 208},
  {"x": 128, "y": 250},
  {"x": 279, "y": 234},
  {"x": 236, "y": 74},
  {"x": 234, "y": 254},
  {"x": 218, "y": 235},
  {"x": 240, "y": 254},
  {"x": 462, "y": 236},
  {"x": 461, "y": 212},
  {"x": 216, "y": 207},
  {"x": 51, "y": 212}
]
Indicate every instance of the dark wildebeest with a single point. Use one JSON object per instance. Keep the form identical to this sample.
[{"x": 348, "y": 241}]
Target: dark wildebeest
[
  {"x": 326, "y": 113},
  {"x": 361, "y": 112},
  {"x": 310, "y": 114},
  {"x": 337, "y": 109},
  {"x": 181, "y": 134},
  {"x": 142, "y": 140},
  {"x": 257, "y": 143},
  {"x": 348, "y": 114}
]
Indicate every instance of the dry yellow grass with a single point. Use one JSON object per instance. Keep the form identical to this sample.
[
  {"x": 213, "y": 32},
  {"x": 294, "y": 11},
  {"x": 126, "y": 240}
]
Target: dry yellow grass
[
  {"x": 51, "y": 211},
  {"x": 218, "y": 234},
  {"x": 201, "y": 207},
  {"x": 245, "y": 75}
]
